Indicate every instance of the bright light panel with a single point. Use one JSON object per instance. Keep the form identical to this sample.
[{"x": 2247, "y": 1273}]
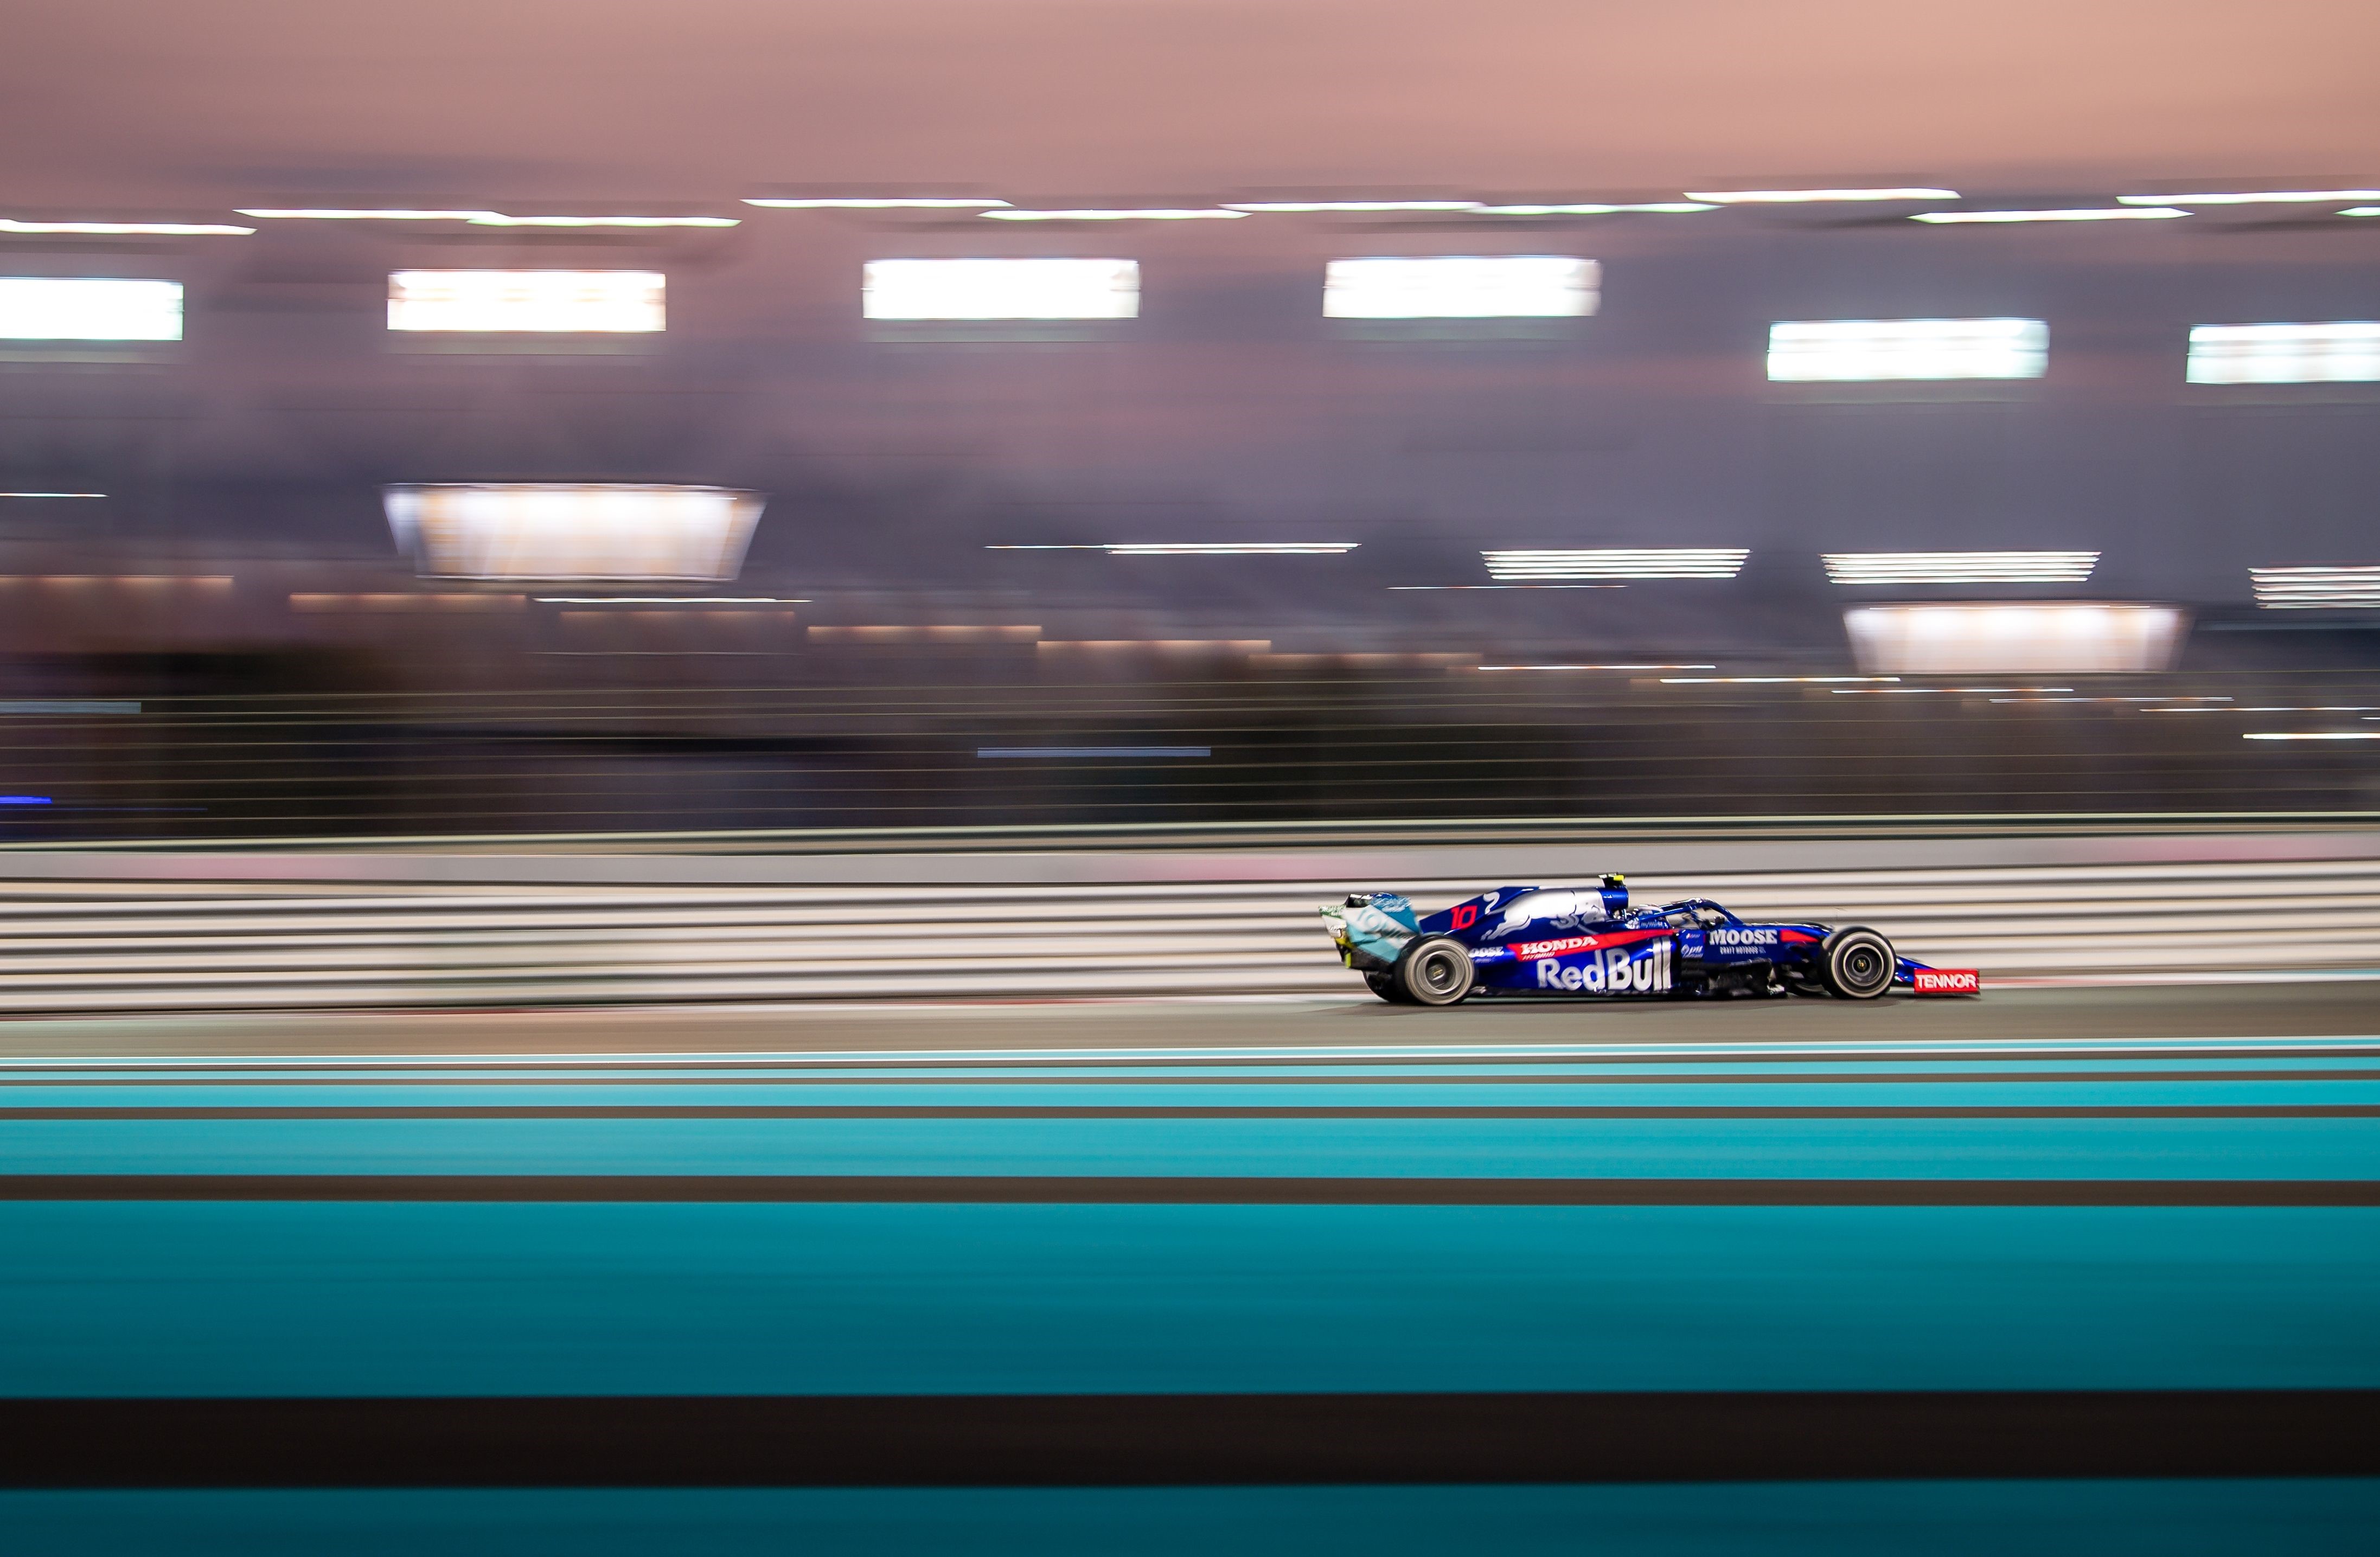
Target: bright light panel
[
  {"x": 1860, "y": 350},
  {"x": 879, "y": 202},
  {"x": 129, "y": 230},
  {"x": 1806, "y": 197},
  {"x": 2254, "y": 197},
  {"x": 1136, "y": 213},
  {"x": 60, "y": 307},
  {"x": 1687, "y": 562},
  {"x": 489, "y": 218},
  {"x": 1192, "y": 548},
  {"x": 1461, "y": 287},
  {"x": 2082, "y": 213},
  {"x": 600, "y": 531},
  {"x": 2008, "y": 637},
  {"x": 1299, "y": 207},
  {"x": 1960, "y": 567},
  {"x": 523, "y": 302},
  {"x": 1002, "y": 289},
  {"x": 2341, "y": 350},
  {"x": 1588, "y": 208},
  {"x": 2316, "y": 588}
]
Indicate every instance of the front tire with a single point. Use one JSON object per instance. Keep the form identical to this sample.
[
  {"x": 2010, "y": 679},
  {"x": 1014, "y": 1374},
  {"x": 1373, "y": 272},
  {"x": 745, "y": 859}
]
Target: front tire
[
  {"x": 1857, "y": 963},
  {"x": 1435, "y": 972}
]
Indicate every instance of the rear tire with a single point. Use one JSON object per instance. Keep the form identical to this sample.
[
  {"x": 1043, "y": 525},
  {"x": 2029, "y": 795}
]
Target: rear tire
[
  {"x": 1435, "y": 972},
  {"x": 1385, "y": 986},
  {"x": 1857, "y": 963}
]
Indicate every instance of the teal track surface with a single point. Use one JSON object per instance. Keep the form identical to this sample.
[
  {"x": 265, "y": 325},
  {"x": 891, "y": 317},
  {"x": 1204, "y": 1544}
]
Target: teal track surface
[{"x": 154, "y": 1247}]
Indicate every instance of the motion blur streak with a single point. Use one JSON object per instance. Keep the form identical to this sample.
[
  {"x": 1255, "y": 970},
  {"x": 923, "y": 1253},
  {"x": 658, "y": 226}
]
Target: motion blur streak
[
  {"x": 36, "y": 307},
  {"x": 1002, "y": 289},
  {"x": 1460, "y": 286},
  {"x": 158, "y": 933},
  {"x": 2343, "y": 351},
  {"x": 2015, "y": 637},
  {"x": 1850, "y": 349},
  {"x": 505, "y": 302}
]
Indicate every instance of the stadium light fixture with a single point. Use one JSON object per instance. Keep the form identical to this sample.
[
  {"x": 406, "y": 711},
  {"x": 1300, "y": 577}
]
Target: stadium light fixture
[
  {"x": 62, "y": 308},
  {"x": 1616, "y": 561},
  {"x": 2255, "y": 197},
  {"x": 1814, "y": 197},
  {"x": 594, "y": 530},
  {"x": 2353, "y": 587},
  {"x": 1189, "y": 548},
  {"x": 1037, "y": 288},
  {"x": 1960, "y": 567},
  {"x": 486, "y": 218},
  {"x": 2312, "y": 735},
  {"x": 2078, "y": 214},
  {"x": 522, "y": 302},
  {"x": 1104, "y": 214},
  {"x": 2338, "y": 351},
  {"x": 1461, "y": 287},
  {"x": 2004, "y": 637},
  {"x": 127, "y": 229},
  {"x": 1287, "y": 207},
  {"x": 1592, "y": 208},
  {"x": 1849, "y": 350},
  {"x": 52, "y": 494},
  {"x": 877, "y": 203}
]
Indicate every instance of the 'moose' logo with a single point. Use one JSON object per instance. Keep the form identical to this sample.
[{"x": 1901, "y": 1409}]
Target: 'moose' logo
[
  {"x": 1948, "y": 981},
  {"x": 1744, "y": 937}
]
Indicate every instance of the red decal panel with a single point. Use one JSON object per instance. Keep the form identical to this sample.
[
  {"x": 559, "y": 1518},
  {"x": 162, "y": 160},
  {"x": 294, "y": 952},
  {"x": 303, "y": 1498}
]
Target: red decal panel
[{"x": 1948, "y": 981}]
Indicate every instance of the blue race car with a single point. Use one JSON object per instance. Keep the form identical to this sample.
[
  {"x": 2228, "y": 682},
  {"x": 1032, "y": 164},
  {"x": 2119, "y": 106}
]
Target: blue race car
[{"x": 1587, "y": 941}]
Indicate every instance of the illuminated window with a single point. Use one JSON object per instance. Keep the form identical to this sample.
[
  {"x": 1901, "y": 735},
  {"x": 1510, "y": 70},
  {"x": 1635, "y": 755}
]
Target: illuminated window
[
  {"x": 527, "y": 302},
  {"x": 1857, "y": 350},
  {"x": 53, "y": 307},
  {"x": 1460, "y": 286},
  {"x": 1002, "y": 289}
]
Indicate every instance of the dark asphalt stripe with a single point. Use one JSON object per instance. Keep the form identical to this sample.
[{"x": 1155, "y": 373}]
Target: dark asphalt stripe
[
  {"x": 1167, "y": 1189},
  {"x": 767, "y": 1441},
  {"x": 1121, "y": 1110},
  {"x": 1815, "y": 1078}
]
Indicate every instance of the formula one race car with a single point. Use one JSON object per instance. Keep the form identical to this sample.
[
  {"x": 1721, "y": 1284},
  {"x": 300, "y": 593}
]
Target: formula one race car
[{"x": 1586, "y": 941}]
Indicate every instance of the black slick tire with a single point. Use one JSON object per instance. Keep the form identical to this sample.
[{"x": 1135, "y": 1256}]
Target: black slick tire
[
  {"x": 1434, "y": 971},
  {"x": 1856, "y": 963}
]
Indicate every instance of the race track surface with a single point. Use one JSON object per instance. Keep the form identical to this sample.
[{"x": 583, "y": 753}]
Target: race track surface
[{"x": 2063, "y": 1270}]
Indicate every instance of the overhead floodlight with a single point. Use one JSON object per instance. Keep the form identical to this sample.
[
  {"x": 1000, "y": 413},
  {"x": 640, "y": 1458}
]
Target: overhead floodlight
[
  {"x": 879, "y": 202},
  {"x": 2341, "y": 350},
  {"x": 497, "y": 219},
  {"x": 2008, "y": 637},
  {"x": 1616, "y": 561},
  {"x": 1002, "y": 289},
  {"x": 2078, "y": 214},
  {"x": 1139, "y": 213},
  {"x": 1810, "y": 197},
  {"x": 75, "y": 308},
  {"x": 488, "y": 218},
  {"x": 127, "y": 229},
  {"x": 2254, "y": 197},
  {"x": 1303, "y": 207},
  {"x": 341, "y": 213},
  {"x": 1461, "y": 287},
  {"x": 1841, "y": 351},
  {"x": 1590, "y": 208},
  {"x": 1191, "y": 548},
  {"x": 1960, "y": 567},
  {"x": 522, "y": 302},
  {"x": 580, "y": 531},
  {"x": 2351, "y": 588}
]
